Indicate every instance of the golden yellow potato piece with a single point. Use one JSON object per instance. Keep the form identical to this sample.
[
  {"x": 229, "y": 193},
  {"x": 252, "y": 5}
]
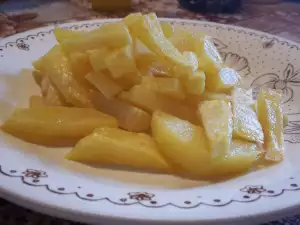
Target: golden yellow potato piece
[
  {"x": 192, "y": 58},
  {"x": 245, "y": 124},
  {"x": 121, "y": 63},
  {"x": 58, "y": 67},
  {"x": 186, "y": 40},
  {"x": 97, "y": 57},
  {"x": 167, "y": 29},
  {"x": 183, "y": 144},
  {"x": 39, "y": 63},
  {"x": 170, "y": 86},
  {"x": 106, "y": 85},
  {"x": 148, "y": 100},
  {"x": 148, "y": 30},
  {"x": 53, "y": 97},
  {"x": 80, "y": 64},
  {"x": 113, "y": 146},
  {"x": 223, "y": 81},
  {"x": 271, "y": 118},
  {"x": 130, "y": 117},
  {"x": 194, "y": 100},
  {"x": 36, "y": 101},
  {"x": 195, "y": 84},
  {"x": 210, "y": 60},
  {"x": 240, "y": 158},
  {"x": 242, "y": 96},
  {"x": 216, "y": 117},
  {"x": 114, "y": 35},
  {"x": 37, "y": 76},
  {"x": 62, "y": 34},
  {"x": 55, "y": 126}
]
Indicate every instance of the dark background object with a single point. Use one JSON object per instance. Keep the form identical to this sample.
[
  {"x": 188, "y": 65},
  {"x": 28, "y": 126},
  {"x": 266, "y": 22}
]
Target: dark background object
[{"x": 211, "y": 6}]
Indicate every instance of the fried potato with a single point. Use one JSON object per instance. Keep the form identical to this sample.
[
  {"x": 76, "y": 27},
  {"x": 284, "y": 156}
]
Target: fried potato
[
  {"x": 171, "y": 87},
  {"x": 106, "y": 85},
  {"x": 146, "y": 99},
  {"x": 114, "y": 35},
  {"x": 36, "y": 101},
  {"x": 167, "y": 29},
  {"x": 239, "y": 159},
  {"x": 122, "y": 64},
  {"x": 38, "y": 64},
  {"x": 222, "y": 81},
  {"x": 186, "y": 40},
  {"x": 271, "y": 118},
  {"x": 245, "y": 122},
  {"x": 62, "y": 34},
  {"x": 112, "y": 146},
  {"x": 60, "y": 73},
  {"x": 130, "y": 117},
  {"x": 209, "y": 59},
  {"x": 54, "y": 98},
  {"x": 216, "y": 117},
  {"x": 55, "y": 125},
  {"x": 147, "y": 29},
  {"x": 183, "y": 144},
  {"x": 37, "y": 76},
  {"x": 80, "y": 64},
  {"x": 195, "y": 84},
  {"x": 97, "y": 57}
]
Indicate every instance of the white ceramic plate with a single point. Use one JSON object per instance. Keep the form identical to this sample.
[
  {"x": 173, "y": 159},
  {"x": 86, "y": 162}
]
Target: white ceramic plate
[{"x": 40, "y": 178}]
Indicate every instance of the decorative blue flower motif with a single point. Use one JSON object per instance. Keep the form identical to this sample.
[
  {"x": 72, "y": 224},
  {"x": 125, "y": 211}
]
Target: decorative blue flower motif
[{"x": 274, "y": 81}]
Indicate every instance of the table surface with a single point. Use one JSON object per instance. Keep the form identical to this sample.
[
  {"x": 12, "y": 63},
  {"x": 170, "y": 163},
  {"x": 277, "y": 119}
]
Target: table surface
[{"x": 282, "y": 19}]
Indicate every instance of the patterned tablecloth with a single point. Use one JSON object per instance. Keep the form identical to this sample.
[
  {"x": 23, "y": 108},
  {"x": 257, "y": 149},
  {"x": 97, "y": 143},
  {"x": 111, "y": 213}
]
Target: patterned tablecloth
[{"x": 282, "y": 19}]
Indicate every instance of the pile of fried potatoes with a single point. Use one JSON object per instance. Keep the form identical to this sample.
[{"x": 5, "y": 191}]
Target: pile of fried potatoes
[{"x": 142, "y": 93}]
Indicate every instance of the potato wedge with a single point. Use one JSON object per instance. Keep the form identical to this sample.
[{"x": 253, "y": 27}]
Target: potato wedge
[
  {"x": 167, "y": 29},
  {"x": 194, "y": 100},
  {"x": 80, "y": 64},
  {"x": 146, "y": 99},
  {"x": 114, "y": 35},
  {"x": 121, "y": 63},
  {"x": 183, "y": 144},
  {"x": 171, "y": 87},
  {"x": 38, "y": 64},
  {"x": 271, "y": 118},
  {"x": 106, "y": 85},
  {"x": 113, "y": 146},
  {"x": 216, "y": 117},
  {"x": 53, "y": 97},
  {"x": 38, "y": 77},
  {"x": 222, "y": 81},
  {"x": 195, "y": 84},
  {"x": 45, "y": 83},
  {"x": 147, "y": 29},
  {"x": 97, "y": 57},
  {"x": 210, "y": 60},
  {"x": 245, "y": 122},
  {"x": 55, "y": 126},
  {"x": 192, "y": 58},
  {"x": 36, "y": 101},
  {"x": 186, "y": 40},
  {"x": 130, "y": 117},
  {"x": 58, "y": 67},
  {"x": 62, "y": 34},
  {"x": 239, "y": 159}
]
